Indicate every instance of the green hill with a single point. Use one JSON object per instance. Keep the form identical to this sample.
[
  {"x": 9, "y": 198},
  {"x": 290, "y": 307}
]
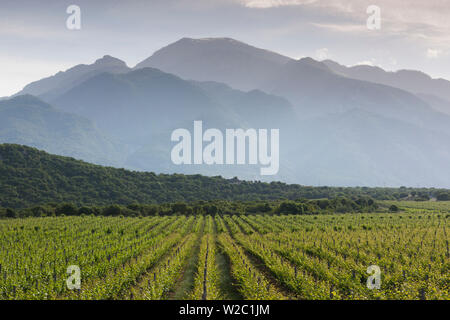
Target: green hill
[{"x": 30, "y": 177}]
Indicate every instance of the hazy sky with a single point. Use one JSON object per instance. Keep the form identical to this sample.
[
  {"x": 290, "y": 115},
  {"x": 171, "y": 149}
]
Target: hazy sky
[{"x": 34, "y": 40}]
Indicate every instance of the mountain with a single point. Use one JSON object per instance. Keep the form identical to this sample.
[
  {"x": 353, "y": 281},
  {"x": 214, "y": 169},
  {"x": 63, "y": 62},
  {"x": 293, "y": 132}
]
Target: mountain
[
  {"x": 410, "y": 80},
  {"x": 216, "y": 59},
  {"x": 32, "y": 177},
  {"x": 50, "y": 87},
  {"x": 143, "y": 107},
  {"x": 141, "y": 103},
  {"x": 436, "y": 103},
  {"x": 255, "y": 108},
  {"x": 334, "y": 129},
  {"x": 357, "y": 147},
  {"x": 315, "y": 90},
  {"x": 28, "y": 120}
]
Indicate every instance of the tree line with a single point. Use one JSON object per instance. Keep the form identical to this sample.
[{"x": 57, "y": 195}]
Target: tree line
[{"x": 299, "y": 206}]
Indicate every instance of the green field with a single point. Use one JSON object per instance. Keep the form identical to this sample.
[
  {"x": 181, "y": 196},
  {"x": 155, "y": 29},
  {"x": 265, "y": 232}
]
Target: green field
[{"x": 230, "y": 256}]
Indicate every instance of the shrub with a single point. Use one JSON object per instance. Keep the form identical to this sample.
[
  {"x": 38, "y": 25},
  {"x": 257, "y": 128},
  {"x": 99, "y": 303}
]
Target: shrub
[{"x": 393, "y": 208}]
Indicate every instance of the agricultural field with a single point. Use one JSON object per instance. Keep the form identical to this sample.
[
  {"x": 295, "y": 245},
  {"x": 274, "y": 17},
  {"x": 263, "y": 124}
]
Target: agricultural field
[{"x": 229, "y": 256}]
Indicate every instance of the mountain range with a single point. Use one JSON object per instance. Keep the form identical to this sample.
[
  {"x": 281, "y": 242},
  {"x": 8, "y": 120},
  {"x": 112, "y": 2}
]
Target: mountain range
[
  {"x": 338, "y": 125},
  {"x": 29, "y": 121},
  {"x": 413, "y": 81}
]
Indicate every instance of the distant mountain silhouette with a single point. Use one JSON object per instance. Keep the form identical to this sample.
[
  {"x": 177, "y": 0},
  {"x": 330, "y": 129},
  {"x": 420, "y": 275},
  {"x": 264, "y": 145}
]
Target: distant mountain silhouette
[
  {"x": 217, "y": 59},
  {"x": 316, "y": 90},
  {"x": 413, "y": 81},
  {"x": 336, "y": 128},
  {"x": 357, "y": 147},
  {"x": 438, "y": 104},
  {"x": 255, "y": 108},
  {"x": 50, "y": 87},
  {"x": 142, "y": 108},
  {"x": 135, "y": 105},
  {"x": 30, "y": 121}
]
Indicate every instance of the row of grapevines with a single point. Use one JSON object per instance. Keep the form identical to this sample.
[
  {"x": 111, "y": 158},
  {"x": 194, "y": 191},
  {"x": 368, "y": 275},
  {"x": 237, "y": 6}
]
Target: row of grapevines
[
  {"x": 159, "y": 280},
  {"x": 207, "y": 278},
  {"x": 252, "y": 284}
]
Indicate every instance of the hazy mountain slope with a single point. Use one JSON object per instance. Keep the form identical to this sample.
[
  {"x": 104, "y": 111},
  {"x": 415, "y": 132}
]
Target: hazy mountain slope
[
  {"x": 352, "y": 148},
  {"x": 50, "y": 87},
  {"x": 255, "y": 108},
  {"x": 361, "y": 148},
  {"x": 148, "y": 101},
  {"x": 143, "y": 107},
  {"x": 410, "y": 80},
  {"x": 315, "y": 90},
  {"x": 436, "y": 103},
  {"x": 30, "y": 121},
  {"x": 354, "y": 132},
  {"x": 217, "y": 59},
  {"x": 138, "y": 104}
]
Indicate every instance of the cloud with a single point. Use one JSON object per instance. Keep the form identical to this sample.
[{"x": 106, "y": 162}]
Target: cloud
[
  {"x": 365, "y": 63},
  {"x": 30, "y": 31},
  {"x": 344, "y": 27},
  {"x": 417, "y": 20},
  {"x": 264, "y": 4}
]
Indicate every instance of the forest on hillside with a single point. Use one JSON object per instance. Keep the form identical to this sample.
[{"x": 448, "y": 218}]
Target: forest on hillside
[{"x": 30, "y": 177}]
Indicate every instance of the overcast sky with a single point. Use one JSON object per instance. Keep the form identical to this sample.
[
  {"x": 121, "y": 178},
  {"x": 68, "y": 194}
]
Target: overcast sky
[{"x": 35, "y": 42}]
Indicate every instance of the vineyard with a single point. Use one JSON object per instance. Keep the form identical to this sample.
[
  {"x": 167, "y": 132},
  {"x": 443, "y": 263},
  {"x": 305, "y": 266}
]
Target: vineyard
[{"x": 208, "y": 257}]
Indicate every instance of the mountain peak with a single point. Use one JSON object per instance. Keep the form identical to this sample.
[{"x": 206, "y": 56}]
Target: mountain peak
[
  {"x": 27, "y": 99},
  {"x": 310, "y": 61},
  {"x": 218, "y": 43},
  {"x": 109, "y": 60},
  {"x": 414, "y": 73},
  {"x": 211, "y": 39},
  {"x": 53, "y": 86},
  {"x": 225, "y": 60},
  {"x": 313, "y": 63}
]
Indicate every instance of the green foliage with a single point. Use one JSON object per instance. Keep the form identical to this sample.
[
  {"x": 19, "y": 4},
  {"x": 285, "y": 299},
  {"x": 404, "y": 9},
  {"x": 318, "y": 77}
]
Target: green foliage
[
  {"x": 30, "y": 177},
  {"x": 339, "y": 205},
  {"x": 443, "y": 196},
  {"x": 393, "y": 208},
  {"x": 68, "y": 209},
  {"x": 269, "y": 256},
  {"x": 112, "y": 210},
  {"x": 10, "y": 213}
]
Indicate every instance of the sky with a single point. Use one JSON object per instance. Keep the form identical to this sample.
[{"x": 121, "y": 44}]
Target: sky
[{"x": 35, "y": 41}]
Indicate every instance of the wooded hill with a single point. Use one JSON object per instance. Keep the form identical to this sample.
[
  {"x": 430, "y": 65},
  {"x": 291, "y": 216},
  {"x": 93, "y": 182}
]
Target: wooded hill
[{"x": 30, "y": 177}]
